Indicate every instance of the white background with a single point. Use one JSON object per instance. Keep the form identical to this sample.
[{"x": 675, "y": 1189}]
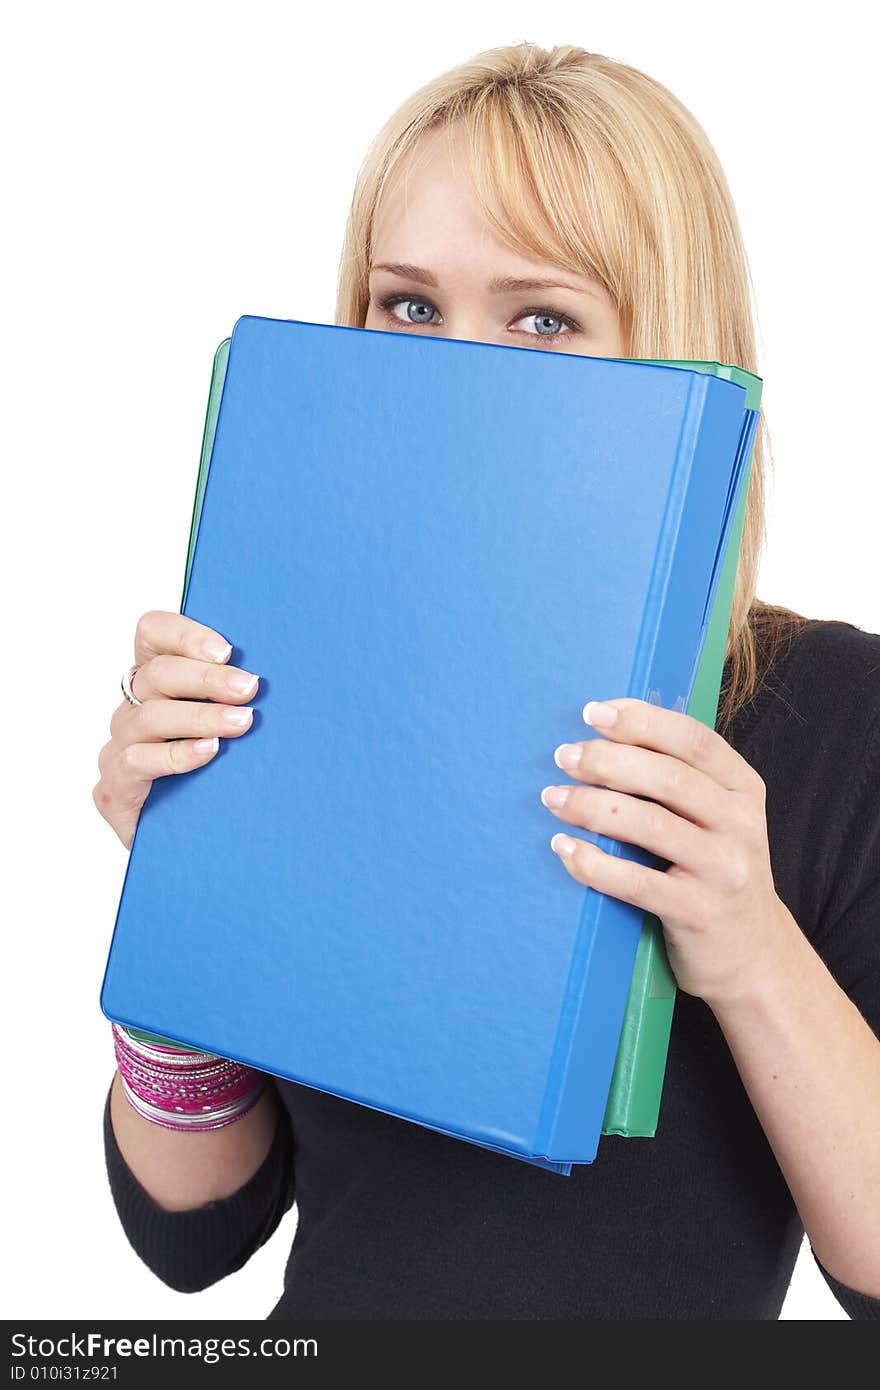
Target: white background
[{"x": 171, "y": 166}]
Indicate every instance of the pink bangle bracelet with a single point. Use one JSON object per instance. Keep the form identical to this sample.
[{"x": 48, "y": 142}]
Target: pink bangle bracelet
[{"x": 184, "y": 1090}]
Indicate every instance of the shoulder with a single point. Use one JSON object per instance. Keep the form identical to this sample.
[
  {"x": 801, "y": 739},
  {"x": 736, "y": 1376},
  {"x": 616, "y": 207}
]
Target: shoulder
[
  {"x": 840, "y": 647},
  {"x": 812, "y": 726},
  {"x": 826, "y": 675}
]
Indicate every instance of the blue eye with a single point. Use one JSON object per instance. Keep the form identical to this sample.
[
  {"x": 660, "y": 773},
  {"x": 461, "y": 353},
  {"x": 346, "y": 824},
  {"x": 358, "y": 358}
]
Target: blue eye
[
  {"x": 422, "y": 308},
  {"x": 543, "y": 320},
  {"x": 549, "y": 324}
]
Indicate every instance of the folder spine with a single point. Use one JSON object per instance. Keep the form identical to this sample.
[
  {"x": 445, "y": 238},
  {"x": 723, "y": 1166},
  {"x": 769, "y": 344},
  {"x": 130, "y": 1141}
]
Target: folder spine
[
  {"x": 610, "y": 931},
  {"x": 633, "y": 1109}
]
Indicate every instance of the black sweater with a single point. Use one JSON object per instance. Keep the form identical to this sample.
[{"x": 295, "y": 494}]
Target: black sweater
[{"x": 397, "y": 1221}]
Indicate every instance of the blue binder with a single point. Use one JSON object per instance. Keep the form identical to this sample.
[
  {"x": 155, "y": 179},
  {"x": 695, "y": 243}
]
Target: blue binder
[{"x": 433, "y": 551}]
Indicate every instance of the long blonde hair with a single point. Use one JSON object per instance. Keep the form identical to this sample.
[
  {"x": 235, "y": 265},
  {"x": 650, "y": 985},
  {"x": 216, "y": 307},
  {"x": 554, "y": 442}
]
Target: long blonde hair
[{"x": 583, "y": 161}]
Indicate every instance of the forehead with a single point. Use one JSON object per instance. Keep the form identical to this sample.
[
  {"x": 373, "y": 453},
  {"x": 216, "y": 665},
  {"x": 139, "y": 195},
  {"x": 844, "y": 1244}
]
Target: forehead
[
  {"x": 428, "y": 199},
  {"x": 428, "y": 214}
]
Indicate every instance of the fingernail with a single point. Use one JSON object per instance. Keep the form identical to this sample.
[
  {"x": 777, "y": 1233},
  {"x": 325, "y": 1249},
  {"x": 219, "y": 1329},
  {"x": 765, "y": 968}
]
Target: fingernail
[
  {"x": 215, "y": 650},
  {"x": 206, "y": 745},
  {"x": 238, "y": 717},
  {"x": 563, "y": 844},
  {"x": 242, "y": 682},
  {"x": 599, "y": 715},
  {"x": 555, "y": 796},
  {"x": 567, "y": 756}
]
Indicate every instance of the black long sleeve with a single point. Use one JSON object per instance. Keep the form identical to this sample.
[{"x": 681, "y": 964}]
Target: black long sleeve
[
  {"x": 398, "y": 1221},
  {"x": 189, "y": 1250},
  {"x": 861, "y": 1307},
  {"x": 848, "y": 932}
]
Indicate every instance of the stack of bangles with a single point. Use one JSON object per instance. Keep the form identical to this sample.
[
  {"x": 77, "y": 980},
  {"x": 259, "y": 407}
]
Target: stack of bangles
[{"x": 181, "y": 1089}]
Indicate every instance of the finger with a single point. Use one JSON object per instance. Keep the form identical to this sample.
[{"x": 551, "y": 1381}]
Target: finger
[
  {"x": 651, "y": 889},
  {"x": 143, "y": 762},
  {"x": 677, "y": 734},
  {"x": 183, "y": 676},
  {"x": 161, "y": 718},
  {"x": 159, "y": 631},
  {"x": 632, "y": 820},
  {"x": 642, "y": 772}
]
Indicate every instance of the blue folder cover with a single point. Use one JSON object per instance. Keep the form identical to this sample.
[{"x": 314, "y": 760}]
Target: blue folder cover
[{"x": 433, "y": 551}]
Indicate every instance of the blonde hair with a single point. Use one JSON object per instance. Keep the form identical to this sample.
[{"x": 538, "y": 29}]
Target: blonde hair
[{"x": 583, "y": 161}]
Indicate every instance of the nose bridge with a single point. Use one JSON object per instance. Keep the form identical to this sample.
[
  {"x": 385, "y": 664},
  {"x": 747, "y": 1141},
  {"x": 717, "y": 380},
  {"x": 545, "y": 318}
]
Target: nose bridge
[{"x": 475, "y": 322}]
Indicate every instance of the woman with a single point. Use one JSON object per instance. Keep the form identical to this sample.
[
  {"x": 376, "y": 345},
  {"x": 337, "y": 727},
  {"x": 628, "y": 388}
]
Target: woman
[{"x": 564, "y": 167}]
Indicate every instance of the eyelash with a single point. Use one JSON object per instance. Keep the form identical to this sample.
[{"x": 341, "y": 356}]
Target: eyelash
[{"x": 392, "y": 300}]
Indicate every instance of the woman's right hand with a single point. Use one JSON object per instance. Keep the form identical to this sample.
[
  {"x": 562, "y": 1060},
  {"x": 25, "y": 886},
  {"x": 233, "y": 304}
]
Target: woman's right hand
[{"x": 190, "y": 698}]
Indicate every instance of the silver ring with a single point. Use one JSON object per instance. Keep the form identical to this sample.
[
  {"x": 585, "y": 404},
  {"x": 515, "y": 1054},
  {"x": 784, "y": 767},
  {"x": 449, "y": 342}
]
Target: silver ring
[{"x": 126, "y": 687}]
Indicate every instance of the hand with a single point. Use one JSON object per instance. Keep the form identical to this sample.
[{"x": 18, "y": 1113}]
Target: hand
[
  {"x": 169, "y": 733},
  {"x": 703, "y": 812}
]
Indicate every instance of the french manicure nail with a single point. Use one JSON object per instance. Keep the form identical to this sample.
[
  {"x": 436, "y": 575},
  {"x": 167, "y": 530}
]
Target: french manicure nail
[
  {"x": 567, "y": 756},
  {"x": 243, "y": 682},
  {"x": 599, "y": 715},
  {"x": 215, "y": 650},
  {"x": 238, "y": 717},
  {"x": 555, "y": 797}
]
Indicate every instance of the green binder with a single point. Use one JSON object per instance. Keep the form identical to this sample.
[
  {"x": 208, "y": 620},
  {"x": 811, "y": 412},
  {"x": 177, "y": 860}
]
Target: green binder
[
  {"x": 633, "y": 1107},
  {"x": 637, "y": 1081}
]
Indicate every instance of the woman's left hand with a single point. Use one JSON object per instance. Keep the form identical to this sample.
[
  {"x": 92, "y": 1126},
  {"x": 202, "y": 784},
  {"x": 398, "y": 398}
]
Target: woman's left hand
[{"x": 721, "y": 915}]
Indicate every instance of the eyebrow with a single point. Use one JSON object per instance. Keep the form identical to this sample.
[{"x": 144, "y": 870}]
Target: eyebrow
[{"x": 502, "y": 284}]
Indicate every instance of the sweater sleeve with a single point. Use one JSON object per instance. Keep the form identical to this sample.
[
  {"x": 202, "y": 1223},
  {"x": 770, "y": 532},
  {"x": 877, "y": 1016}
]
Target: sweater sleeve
[
  {"x": 848, "y": 933},
  {"x": 848, "y": 939},
  {"x": 861, "y": 1307},
  {"x": 189, "y": 1250}
]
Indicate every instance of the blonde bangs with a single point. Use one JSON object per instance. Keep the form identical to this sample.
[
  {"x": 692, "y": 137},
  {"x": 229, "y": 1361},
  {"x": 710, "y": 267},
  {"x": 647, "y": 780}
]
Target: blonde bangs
[{"x": 538, "y": 188}]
